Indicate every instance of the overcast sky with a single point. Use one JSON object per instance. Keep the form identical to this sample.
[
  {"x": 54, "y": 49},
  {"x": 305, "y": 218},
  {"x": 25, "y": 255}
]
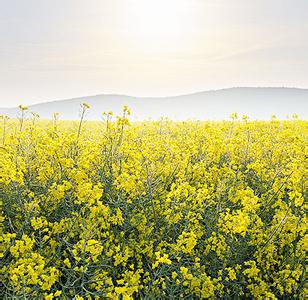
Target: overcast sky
[{"x": 57, "y": 49}]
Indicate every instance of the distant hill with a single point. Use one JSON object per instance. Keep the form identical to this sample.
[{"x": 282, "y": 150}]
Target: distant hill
[{"x": 257, "y": 103}]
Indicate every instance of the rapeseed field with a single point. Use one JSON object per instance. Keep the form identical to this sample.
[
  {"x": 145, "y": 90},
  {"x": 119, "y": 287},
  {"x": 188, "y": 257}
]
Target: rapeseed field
[{"x": 152, "y": 210}]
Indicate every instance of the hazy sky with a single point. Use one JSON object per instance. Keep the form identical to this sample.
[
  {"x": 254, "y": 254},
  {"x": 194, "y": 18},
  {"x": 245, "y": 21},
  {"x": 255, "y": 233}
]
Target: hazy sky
[{"x": 57, "y": 49}]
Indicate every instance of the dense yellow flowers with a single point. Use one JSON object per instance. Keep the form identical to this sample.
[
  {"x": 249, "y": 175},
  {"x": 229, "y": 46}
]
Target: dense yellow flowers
[{"x": 155, "y": 210}]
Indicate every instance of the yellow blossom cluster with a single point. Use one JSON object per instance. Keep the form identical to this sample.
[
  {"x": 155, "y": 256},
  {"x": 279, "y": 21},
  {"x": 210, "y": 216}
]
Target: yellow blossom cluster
[{"x": 152, "y": 210}]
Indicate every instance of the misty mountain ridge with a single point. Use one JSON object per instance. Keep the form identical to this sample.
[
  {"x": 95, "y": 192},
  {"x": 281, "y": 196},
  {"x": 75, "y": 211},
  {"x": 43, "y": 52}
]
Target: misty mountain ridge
[{"x": 257, "y": 103}]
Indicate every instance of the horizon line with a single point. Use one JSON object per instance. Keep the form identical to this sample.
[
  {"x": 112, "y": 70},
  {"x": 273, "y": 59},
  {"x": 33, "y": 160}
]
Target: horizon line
[{"x": 161, "y": 97}]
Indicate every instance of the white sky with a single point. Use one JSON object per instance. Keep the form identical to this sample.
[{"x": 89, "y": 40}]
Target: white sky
[{"x": 57, "y": 49}]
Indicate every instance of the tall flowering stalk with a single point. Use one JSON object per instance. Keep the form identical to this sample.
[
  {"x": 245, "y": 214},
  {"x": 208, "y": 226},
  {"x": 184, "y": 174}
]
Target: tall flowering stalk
[
  {"x": 23, "y": 110},
  {"x": 4, "y": 119},
  {"x": 84, "y": 108}
]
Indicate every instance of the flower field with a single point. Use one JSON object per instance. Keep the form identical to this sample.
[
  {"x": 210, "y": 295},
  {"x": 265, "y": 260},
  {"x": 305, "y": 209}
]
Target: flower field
[{"x": 152, "y": 210}]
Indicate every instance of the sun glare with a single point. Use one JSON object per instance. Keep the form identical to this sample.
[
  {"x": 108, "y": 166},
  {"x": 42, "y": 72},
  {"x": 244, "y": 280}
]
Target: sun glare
[{"x": 156, "y": 22}]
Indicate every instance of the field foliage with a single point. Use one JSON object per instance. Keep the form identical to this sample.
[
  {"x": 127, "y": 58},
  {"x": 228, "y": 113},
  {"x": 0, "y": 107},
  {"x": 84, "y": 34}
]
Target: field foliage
[{"x": 152, "y": 210}]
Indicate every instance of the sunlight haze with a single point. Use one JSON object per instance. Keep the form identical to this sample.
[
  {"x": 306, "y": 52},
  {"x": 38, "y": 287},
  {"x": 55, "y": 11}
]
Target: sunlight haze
[{"x": 71, "y": 48}]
